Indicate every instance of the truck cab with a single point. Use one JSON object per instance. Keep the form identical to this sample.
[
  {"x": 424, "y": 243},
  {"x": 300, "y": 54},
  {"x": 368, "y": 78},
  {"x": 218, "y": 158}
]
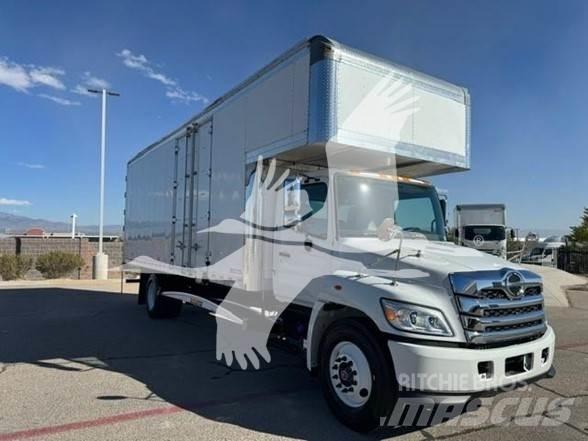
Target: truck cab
[
  {"x": 488, "y": 238},
  {"x": 339, "y": 219},
  {"x": 483, "y": 227},
  {"x": 454, "y": 321}
]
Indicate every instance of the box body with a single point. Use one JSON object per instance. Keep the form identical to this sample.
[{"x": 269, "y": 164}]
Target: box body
[{"x": 316, "y": 96}]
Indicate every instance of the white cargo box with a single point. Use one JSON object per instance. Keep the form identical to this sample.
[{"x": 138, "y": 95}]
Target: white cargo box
[
  {"x": 303, "y": 100},
  {"x": 319, "y": 94}
]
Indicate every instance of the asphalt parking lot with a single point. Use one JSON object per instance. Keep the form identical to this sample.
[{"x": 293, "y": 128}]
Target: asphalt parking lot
[{"x": 87, "y": 363}]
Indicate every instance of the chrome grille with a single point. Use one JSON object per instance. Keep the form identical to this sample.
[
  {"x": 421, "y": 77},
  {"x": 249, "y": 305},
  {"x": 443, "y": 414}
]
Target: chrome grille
[
  {"x": 499, "y": 293},
  {"x": 499, "y": 306},
  {"x": 512, "y": 311},
  {"x": 517, "y": 326}
]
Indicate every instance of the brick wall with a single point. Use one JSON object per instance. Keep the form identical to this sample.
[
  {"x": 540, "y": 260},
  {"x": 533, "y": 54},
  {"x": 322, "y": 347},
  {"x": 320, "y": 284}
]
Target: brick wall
[
  {"x": 8, "y": 246},
  {"x": 36, "y": 246}
]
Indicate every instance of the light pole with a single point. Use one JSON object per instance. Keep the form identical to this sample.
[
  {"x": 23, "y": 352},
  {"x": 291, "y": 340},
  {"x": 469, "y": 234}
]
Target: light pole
[
  {"x": 73, "y": 225},
  {"x": 100, "y": 261}
]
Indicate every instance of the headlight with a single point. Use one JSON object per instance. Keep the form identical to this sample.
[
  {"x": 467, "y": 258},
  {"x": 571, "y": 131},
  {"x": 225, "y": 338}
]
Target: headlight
[{"x": 415, "y": 318}]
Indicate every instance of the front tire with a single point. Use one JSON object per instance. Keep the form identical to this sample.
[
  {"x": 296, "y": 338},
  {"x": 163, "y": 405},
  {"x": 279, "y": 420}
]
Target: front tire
[
  {"x": 158, "y": 306},
  {"x": 357, "y": 376}
]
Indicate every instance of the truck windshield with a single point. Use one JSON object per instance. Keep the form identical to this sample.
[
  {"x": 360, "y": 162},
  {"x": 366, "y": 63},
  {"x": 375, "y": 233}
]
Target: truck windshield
[
  {"x": 488, "y": 232},
  {"x": 363, "y": 203}
]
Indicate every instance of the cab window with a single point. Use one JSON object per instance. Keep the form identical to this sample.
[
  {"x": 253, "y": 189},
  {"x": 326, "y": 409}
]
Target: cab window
[{"x": 309, "y": 200}]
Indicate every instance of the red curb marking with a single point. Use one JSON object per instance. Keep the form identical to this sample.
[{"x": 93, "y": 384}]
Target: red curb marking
[
  {"x": 52, "y": 430},
  {"x": 131, "y": 416}
]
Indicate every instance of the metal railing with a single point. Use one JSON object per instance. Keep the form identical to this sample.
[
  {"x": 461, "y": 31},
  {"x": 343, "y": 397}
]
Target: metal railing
[{"x": 573, "y": 260}]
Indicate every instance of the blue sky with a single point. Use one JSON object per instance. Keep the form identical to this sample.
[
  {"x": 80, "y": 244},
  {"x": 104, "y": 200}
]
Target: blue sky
[{"x": 524, "y": 62}]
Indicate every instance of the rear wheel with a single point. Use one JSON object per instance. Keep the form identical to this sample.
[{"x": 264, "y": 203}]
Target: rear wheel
[
  {"x": 357, "y": 377},
  {"x": 158, "y": 306}
]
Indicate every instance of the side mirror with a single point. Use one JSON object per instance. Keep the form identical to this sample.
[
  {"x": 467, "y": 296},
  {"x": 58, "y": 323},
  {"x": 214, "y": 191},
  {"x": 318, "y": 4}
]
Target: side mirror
[
  {"x": 292, "y": 202},
  {"x": 443, "y": 203},
  {"x": 456, "y": 233},
  {"x": 512, "y": 234}
]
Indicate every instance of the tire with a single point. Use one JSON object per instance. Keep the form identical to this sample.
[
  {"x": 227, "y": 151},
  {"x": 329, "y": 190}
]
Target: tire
[
  {"x": 158, "y": 306},
  {"x": 362, "y": 396}
]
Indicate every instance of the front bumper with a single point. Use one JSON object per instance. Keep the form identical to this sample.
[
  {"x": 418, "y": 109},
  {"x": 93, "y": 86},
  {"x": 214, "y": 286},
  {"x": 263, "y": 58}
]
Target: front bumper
[{"x": 451, "y": 370}]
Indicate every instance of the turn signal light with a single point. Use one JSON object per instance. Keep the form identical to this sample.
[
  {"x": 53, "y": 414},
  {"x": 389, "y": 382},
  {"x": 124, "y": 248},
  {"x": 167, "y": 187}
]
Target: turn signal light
[{"x": 390, "y": 314}]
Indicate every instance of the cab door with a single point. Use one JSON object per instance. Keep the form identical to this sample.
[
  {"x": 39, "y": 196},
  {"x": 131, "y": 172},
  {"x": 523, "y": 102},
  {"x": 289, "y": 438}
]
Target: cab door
[{"x": 301, "y": 253}]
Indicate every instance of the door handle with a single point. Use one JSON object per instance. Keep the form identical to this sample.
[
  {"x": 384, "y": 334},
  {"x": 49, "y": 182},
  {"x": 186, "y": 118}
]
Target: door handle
[
  {"x": 284, "y": 254},
  {"x": 307, "y": 244}
]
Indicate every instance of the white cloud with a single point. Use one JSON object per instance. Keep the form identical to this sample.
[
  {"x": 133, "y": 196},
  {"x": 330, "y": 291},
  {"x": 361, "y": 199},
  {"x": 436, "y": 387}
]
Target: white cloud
[
  {"x": 24, "y": 77},
  {"x": 133, "y": 61},
  {"x": 90, "y": 82},
  {"x": 14, "y": 75},
  {"x": 179, "y": 94},
  {"x": 83, "y": 90},
  {"x": 59, "y": 100},
  {"x": 17, "y": 202},
  {"x": 161, "y": 78},
  {"x": 29, "y": 165},
  {"x": 48, "y": 76},
  {"x": 95, "y": 82},
  {"x": 173, "y": 90},
  {"x": 140, "y": 62}
]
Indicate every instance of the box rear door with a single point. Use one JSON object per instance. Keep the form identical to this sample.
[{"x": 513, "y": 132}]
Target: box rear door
[{"x": 200, "y": 240}]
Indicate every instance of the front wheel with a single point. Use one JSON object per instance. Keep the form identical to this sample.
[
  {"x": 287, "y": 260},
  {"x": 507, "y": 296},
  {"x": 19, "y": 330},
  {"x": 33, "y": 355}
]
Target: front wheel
[
  {"x": 357, "y": 376},
  {"x": 159, "y": 306}
]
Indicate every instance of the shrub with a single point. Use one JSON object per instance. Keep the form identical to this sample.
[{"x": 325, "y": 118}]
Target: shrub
[
  {"x": 580, "y": 233},
  {"x": 14, "y": 267},
  {"x": 58, "y": 264}
]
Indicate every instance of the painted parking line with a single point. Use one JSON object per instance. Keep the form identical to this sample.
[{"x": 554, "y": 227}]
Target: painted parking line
[{"x": 138, "y": 415}]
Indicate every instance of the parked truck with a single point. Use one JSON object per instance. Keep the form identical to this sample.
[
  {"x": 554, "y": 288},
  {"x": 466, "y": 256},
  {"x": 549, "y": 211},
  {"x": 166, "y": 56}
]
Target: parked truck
[
  {"x": 482, "y": 226},
  {"x": 543, "y": 252},
  {"x": 349, "y": 262}
]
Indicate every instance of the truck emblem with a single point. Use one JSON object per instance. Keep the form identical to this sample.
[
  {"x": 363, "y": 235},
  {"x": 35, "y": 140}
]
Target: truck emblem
[
  {"x": 514, "y": 285},
  {"x": 478, "y": 240}
]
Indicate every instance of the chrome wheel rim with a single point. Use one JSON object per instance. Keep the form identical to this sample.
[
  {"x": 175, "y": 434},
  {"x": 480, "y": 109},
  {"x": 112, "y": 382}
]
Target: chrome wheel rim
[{"x": 350, "y": 374}]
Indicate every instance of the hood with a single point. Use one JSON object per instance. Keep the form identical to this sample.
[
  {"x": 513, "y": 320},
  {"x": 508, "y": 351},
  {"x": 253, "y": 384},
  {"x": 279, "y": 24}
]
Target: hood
[{"x": 436, "y": 259}]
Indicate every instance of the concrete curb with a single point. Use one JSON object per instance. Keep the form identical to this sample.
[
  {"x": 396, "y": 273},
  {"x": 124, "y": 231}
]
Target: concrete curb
[{"x": 556, "y": 283}]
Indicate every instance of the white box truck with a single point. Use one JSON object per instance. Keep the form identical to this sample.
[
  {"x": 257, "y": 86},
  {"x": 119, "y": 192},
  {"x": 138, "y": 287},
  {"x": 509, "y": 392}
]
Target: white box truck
[
  {"x": 542, "y": 252},
  {"x": 482, "y": 226},
  {"x": 363, "y": 280}
]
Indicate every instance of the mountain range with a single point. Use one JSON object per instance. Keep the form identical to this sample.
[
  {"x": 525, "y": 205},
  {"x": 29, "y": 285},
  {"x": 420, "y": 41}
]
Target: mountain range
[{"x": 14, "y": 224}]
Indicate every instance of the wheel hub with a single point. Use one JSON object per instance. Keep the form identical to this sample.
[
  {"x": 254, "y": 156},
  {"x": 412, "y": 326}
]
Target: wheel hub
[
  {"x": 350, "y": 374},
  {"x": 346, "y": 373}
]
